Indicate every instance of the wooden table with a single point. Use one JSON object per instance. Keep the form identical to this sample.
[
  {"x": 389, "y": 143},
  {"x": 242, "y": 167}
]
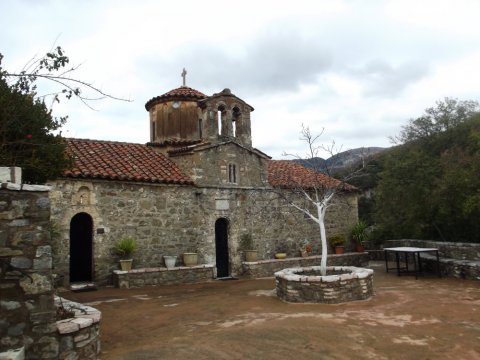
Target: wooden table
[{"x": 417, "y": 264}]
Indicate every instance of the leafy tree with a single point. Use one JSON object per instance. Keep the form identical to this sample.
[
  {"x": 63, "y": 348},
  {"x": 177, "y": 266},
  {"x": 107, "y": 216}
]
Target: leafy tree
[
  {"x": 27, "y": 127},
  {"x": 26, "y": 137},
  {"x": 446, "y": 115},
  {"x": 429, "y": 186}
]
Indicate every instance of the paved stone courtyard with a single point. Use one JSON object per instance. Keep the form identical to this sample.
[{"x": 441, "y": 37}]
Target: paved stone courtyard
[{"x": 428, "y": 318}]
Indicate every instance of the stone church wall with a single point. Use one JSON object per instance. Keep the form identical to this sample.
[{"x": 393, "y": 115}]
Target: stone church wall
[
  {"x": 171, "y": 219},
  {"x": 211, "y": 166}
]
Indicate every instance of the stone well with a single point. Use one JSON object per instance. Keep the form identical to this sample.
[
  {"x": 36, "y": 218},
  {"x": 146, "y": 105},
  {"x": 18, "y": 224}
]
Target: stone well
[{"x": 341, "y": 284}]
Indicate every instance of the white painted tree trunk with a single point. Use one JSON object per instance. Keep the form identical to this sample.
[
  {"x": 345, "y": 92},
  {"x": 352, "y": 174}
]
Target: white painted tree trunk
[
  {"x": 321, "y": 203},
  {"x": 323, "y": 238}
]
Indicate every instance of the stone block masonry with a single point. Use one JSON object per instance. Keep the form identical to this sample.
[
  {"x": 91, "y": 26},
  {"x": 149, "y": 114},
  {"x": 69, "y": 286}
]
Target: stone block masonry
[
  {"x": 79, "y": 336},
  {"x": 172, "y": 220},
  {"x": 341, "y": 284},
  {"x": 27, "y": 309},
  {"x": 266, "y": 268},
  {"x": 28, "y": 314},
  {"x": 163, "y": 276}
]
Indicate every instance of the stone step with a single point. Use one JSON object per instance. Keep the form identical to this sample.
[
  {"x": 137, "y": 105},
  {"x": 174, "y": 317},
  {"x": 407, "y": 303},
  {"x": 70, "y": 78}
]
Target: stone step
[
  {"x": 83, "y": 286},
  {"x": 14, "y": 354}
]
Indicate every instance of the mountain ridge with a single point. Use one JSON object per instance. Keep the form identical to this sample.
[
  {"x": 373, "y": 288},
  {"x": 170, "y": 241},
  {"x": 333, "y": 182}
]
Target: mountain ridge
[{"x": 342, "y": 160}]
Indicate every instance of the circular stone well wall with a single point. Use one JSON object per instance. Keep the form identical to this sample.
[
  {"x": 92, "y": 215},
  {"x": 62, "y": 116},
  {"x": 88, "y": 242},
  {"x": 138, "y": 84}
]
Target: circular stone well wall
[{"x": 347, "y": 283}]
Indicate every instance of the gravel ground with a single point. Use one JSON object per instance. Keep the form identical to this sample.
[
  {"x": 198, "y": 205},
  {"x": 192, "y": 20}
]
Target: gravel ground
[{"x": 428, "y": 318}]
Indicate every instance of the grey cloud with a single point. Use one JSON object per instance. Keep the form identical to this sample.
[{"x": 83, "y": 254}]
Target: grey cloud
[
  {"x": 274, "y": 63},
  {"x": 382, "y": 79}
]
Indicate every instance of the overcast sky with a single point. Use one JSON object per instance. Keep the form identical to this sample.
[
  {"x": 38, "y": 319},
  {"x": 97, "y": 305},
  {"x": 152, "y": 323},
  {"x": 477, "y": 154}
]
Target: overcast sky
[{"x": 358, "y": 69}]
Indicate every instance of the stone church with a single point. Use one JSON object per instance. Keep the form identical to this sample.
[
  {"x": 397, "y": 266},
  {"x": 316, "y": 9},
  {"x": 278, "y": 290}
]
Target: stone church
[{"x": 197, "y": 186}]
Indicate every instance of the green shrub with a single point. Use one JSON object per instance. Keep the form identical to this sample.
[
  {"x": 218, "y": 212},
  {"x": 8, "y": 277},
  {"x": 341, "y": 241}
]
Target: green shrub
[
  {"x": 246, "y": 242},
  {"x": 359, "y": 232},
  {"x": 336, "y": 240},
  {"x": 125, "y": 247}
]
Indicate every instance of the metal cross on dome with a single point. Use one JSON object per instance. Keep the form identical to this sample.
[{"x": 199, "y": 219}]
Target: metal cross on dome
[{"x": 184, "y": 76}]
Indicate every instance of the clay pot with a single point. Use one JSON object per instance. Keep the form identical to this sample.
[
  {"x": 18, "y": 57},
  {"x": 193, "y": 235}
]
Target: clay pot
[
  {"x": 251, "y": 255},
  {"x": 339, "y": 249},
  {"x": 190, "y": 259},
  {"x": 359, "y": 248},
  {"x": 126, "y": 265}
]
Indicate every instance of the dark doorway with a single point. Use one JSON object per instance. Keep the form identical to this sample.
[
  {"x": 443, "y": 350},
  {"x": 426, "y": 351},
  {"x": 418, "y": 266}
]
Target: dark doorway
[
  {"x": 221, "y": 247},
  {"x": 81, "y": 248}
]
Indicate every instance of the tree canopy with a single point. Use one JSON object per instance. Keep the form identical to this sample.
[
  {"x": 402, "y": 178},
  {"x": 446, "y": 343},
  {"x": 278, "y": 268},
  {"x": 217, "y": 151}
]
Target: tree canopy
[
  {"x": 26, "y": 133},
  {"x": 429, "y": 187},
  {"x": 444, "y": 116},
  {"x": 29, "y": 136}
]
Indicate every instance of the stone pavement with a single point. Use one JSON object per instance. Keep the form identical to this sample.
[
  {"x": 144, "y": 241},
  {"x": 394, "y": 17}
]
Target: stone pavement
[{"x": 428, "y": 318}]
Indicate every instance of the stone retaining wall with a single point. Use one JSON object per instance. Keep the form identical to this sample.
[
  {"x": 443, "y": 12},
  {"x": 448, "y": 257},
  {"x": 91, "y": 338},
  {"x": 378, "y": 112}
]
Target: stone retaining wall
[
  {"x": 458, "y": 260},
  {"x": 79, "y": 337},
  {"x": 305, "y": 285},
  {"x": 163, "y": 276},
  {"x": 266, "y": 268},
  {"x": 453, "y": 250}
]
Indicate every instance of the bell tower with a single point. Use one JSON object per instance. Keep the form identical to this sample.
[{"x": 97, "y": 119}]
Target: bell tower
[
  {"x": 227, "y": 117},
  {"x": 185, "y": 114}
]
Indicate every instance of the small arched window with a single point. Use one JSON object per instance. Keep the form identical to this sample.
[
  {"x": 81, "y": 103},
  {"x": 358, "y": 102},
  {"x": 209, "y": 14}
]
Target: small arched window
[
  {"x": 153, "y": 132},
  {"x": 232, "y": 173},
  {"x": 235, "y": 117},
  {"x": 220, "y": 117}
]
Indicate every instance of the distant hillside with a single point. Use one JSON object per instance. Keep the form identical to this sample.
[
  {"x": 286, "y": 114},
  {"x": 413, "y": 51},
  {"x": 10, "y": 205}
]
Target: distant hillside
[{"x": 341, "y": 160}]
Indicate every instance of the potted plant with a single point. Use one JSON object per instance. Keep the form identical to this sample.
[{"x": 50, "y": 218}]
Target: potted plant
[
  {"x": 337, "y": 242},
  {"x": 306, "y": 249},
  {"x": 125, "y": 248},
  {"x": 246, "y": 244},
  {"x": 190, "y": 258},
  {"x": 360, "y": 235}
]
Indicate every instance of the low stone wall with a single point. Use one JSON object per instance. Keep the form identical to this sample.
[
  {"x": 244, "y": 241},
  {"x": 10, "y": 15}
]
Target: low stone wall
[
  {"x": 453, "y": 250},
  {"x": 305, "y": 285},
  {"x": 458, "y": 260},
  {"x": 163, "y": 276},
  {"x": 79, "y": 337},
  {"x": 266, "y": 268}
]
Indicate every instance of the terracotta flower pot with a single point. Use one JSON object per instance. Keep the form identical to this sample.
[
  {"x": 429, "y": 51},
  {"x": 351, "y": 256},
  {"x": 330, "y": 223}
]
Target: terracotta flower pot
[
  {"x": 339, "y": 249},
  {"x": 359, "y": 248}
]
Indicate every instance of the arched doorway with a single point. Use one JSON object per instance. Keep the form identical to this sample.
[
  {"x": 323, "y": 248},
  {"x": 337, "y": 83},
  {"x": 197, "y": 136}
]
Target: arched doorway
[
  {"x": 81, "y": 248},
  {"x": 221, "y": 247}
]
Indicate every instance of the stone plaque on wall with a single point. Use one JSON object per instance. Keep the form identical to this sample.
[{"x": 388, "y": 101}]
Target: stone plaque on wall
[{"x": 222, "y": 204}]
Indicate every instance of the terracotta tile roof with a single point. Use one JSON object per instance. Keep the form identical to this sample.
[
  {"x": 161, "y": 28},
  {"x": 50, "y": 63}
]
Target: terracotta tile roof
[
  {"x": 109, "y": 160},
  {"x": 181, "y": 93},
  {"x": 289, "y": 174}
]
